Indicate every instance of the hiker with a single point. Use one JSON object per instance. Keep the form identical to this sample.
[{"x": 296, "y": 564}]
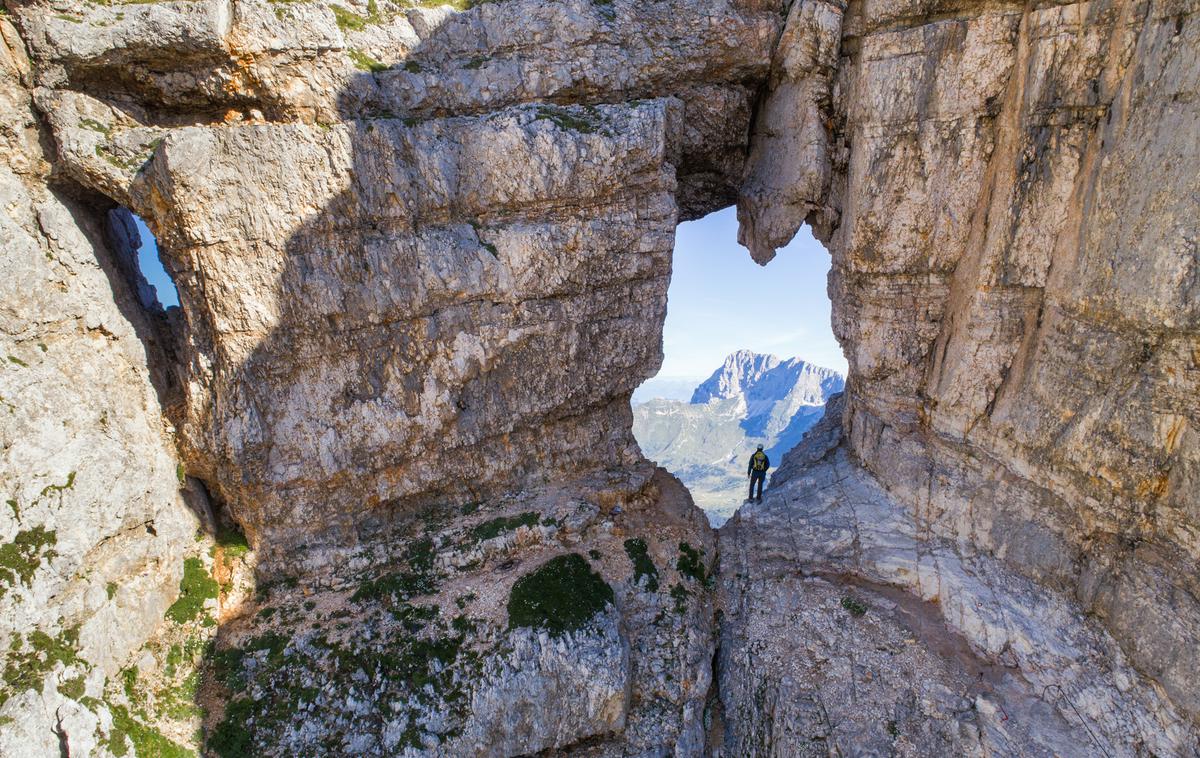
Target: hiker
[{"x": 757, "y": 471}]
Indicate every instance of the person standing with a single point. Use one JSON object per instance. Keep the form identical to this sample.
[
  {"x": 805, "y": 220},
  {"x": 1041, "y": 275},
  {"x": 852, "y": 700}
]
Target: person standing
[{"x": 757, "y": 471}]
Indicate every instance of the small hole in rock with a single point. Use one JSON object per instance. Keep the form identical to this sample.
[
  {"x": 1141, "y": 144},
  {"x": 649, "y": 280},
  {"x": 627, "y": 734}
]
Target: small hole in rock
[{"x": 138, "y": 249}]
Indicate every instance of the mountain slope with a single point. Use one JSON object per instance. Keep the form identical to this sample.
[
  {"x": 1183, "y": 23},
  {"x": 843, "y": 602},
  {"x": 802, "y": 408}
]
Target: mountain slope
[{"x": 751, "y": 399}]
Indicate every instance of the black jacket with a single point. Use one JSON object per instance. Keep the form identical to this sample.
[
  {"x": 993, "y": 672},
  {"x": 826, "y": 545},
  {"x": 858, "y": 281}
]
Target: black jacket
[{"x": 766, "y": 464}]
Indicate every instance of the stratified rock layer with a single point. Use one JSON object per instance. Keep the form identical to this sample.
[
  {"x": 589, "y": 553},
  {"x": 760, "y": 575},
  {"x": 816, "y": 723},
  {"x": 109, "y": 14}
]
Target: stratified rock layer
[
  {"x": 1012, "y": 215},
  {"x": 403, "y": 284},
  {"x": 821, "y": 652},
  {"x": 422, "y": 257}
]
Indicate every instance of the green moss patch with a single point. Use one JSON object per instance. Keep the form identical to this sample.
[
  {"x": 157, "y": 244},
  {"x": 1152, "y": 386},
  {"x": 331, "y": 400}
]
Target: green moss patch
[
  {"x": 195, "y": 588},
  {"x": 232, "y": 738},
  {"x": 30, "y": 659},
  {"x": 497, "y": 526},
  {"x": 21, "y": 558},
  {"x": 560, "y": 596},
  {"x": 227, "y": 665},
  {"x": 147, "y": 742},
  {"x": 364, "y": 62},
  {"x": 642, "y": 565},
  {"x": 348, "y": 20},
  {"x": 680, "y": 594},
  {"x": 94, "y": 125},
  {"x": 52, "y": 488},
  {"x": 586, "y": 120},
  {"x": 691, "y": 563},
  {"x": 854, "y": 606},
  {"x": 419, "y": 578},
  {"x": 232, "y": 542},
  {"x": 73, "y": 687},
  {"x": 277, "y": 684}
]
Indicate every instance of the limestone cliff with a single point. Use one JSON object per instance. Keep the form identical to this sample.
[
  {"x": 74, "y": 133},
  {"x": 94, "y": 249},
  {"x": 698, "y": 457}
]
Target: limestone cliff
[
  {"x": 1009, "y": 196},
  {"x": 94, "y": 529},
  {"x": 422, "y": 256},
  {"x": 396, "y": 221}
]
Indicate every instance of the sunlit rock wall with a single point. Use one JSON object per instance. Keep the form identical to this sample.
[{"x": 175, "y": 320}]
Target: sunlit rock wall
[{"x": 93, "y": 528}]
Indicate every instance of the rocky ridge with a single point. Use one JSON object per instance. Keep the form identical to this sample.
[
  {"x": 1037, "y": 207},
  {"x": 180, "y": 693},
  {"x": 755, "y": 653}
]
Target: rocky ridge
[{"x": 1014, "y": 281}]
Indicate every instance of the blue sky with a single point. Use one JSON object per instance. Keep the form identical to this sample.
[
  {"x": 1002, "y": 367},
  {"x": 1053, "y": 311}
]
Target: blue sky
[
  {"x": 721, "y": 301},
  {"x": 152, "y": 267}
]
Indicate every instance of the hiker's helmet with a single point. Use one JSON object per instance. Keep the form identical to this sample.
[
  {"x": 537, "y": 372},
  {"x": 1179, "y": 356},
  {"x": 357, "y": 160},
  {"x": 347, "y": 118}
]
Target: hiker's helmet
[{"x": 760, "y": 447}]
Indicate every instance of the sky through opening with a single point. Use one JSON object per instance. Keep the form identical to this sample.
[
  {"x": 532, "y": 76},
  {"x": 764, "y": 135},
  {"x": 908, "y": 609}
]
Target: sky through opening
[
  {"x": 152, "y": 267},
  {"x": 721, "y": 301}
]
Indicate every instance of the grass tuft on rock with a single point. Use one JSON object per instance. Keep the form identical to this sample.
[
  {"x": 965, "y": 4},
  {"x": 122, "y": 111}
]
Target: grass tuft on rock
[
  {"x": 232, "y": 542},
  {"x": 195, "y": 587},
  {"x": 560, "y": 596},
  {"x": 420, "y": 578},
  {"x": 364, "y": 62},
  {"x": 28, "y": 661},
  {"x": 146, "y": 740},
  {"x": 854, "y": 606},
  {"x": 20, "y": 559},
  {"x": 498, "y": 526},
  {"x": 586, "y": 120},
  {"x": 635, "y": 548},
  {"x": 690, "y": 563},
  {"x": 232, "y": 738}
]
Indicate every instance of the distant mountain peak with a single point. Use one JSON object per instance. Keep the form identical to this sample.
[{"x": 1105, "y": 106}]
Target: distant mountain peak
[
  {"x": 762, "y": 376},
  {"x": 753, "y": 398}
]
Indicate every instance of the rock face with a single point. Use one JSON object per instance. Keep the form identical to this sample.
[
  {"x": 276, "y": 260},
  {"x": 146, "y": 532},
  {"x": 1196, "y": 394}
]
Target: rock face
[
  {"x": 422, "y": 257},
  {"x": 572, "y": 618},
  {"x": 93, "y": 531},
  {"x": 1014, "y": 281},
  {"x": 848, "y": 626},
  {"x": 422, "y": 281},
  {"x": 752, "y": 399}
]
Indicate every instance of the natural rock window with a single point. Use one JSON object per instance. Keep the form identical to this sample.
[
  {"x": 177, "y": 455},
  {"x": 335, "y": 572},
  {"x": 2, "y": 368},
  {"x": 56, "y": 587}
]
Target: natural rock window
[
  {"x": 137, "y": 251},
  {"x": 749, "y": 358}
]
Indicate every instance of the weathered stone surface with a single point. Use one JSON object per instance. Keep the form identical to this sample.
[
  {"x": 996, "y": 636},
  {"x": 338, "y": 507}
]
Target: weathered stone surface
[
  {"x": 789, "y": 168},
  {"x": 93, "y": 530},
  {"x": 422, "y": 256},
  {"x": 1013, "y": 222},
  {"x": 410, "y": 647},
  {"x": 378, "y": 277},
  {"x": 819, "y": 648}
]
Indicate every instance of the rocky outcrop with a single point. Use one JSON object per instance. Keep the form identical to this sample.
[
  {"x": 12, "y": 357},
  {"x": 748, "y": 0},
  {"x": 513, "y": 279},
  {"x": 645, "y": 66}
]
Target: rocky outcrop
[
  {"x": 571, "y": 618},
  {"x": 1012, "y": 218},
  {"x": 422, "y": 259},
  {"x": 882, "y": 638},
  {"x": 94, "y": 527},
  {"x": 366, "y": 305}
]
